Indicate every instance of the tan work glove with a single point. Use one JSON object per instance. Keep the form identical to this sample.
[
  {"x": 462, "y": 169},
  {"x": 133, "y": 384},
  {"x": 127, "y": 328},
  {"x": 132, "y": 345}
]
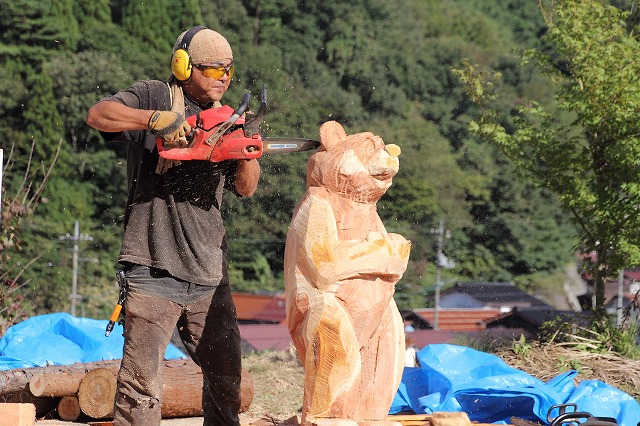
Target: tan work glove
[{"x": 171, "y": 127}]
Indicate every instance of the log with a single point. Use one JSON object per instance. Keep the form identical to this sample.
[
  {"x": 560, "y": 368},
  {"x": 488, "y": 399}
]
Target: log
[
  {"x": 246, "y": 391},
  {"x": 96, "y": 393},
  {"x": 181, "y": 391},
  {"x": 69, "y": 408},
  {"x": 17, "y": 380},
  {"x": 182, "y": 378},
  {"x": 59, "y": 385}
]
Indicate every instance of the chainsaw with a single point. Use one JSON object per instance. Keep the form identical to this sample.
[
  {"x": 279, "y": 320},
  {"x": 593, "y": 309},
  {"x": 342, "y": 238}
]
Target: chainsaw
[
  {"x": 223, "y": 133},
  {"x": 568, "y": 418}
]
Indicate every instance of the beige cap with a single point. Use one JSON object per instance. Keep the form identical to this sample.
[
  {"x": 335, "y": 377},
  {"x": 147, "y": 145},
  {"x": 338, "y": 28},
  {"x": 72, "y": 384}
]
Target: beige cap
[{"x": 206, "y": 46}]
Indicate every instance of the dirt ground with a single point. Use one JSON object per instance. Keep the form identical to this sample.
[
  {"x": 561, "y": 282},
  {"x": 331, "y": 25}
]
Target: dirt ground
[{"x": 278, "y": 380}]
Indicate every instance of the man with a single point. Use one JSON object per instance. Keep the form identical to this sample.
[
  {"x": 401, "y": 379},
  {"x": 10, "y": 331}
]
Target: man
[{"x": 174, "y": 247}]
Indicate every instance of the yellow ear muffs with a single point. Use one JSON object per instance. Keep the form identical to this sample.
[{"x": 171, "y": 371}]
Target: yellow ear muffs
[
  {"x": 181, "y": 61},
  {"x": 181, "y": 65}
]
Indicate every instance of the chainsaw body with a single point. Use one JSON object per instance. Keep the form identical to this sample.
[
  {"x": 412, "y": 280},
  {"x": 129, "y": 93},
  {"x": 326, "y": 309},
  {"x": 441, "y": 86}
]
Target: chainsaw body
[{"x": 216, "y": 136}]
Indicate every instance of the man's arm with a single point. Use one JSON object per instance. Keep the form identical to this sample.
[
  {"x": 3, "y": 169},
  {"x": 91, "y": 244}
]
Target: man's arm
[
  {"x": 114, "y": 117},
  {"x": 247, "y": 176}
]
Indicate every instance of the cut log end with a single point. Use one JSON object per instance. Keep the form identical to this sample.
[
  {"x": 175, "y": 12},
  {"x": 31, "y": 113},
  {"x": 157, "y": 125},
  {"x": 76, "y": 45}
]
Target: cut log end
[
  {"x": 37, "y": 385},
  {"x": 69, "y": 408},
  {"x": 97, "y": 392}
]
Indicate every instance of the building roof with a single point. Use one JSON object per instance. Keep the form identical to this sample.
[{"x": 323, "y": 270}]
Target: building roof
[
  {"x": 458, "y": 319},
  {"x": 632, "y": 274},
  {"x": 489, "y": 294},
  {"x": 530, "y": 319},
  {"x": 422, "y": 338},
  {"x": 260, "y": 308}
]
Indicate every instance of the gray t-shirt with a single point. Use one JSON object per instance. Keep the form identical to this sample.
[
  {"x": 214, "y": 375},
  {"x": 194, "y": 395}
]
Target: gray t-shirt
[{"x": 172, "y": 220}]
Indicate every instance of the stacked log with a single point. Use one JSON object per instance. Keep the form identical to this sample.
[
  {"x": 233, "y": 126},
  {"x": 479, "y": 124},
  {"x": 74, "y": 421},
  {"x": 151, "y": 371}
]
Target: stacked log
[{"x": 88, "y": 389}]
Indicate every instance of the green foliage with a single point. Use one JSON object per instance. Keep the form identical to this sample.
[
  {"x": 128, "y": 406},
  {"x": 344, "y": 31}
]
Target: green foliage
[
  {"x": 369, "y": 64},
  {"x": 253, "y": 274},
  {"x": 158, "y": 23},
  {"x": 600, "y": 336},
  {"x": 12, "y": 304},
  {"x": 592, "y": 162},
  {"x": 521, "y": 347},
  {"x": 39, "y": 26}
]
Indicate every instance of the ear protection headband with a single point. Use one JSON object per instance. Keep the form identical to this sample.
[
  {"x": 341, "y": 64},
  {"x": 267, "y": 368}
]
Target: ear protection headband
[{"x": 181, "y": 61}]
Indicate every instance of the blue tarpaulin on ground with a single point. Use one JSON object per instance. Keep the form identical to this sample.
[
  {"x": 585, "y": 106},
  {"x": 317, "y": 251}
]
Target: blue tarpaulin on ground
[
  {"x": 62, "y": 339},
  {"x": 457, "y": 378}
]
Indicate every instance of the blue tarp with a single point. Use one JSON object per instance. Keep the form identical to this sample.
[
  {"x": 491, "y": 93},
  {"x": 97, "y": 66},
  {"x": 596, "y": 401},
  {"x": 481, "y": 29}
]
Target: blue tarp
[
  {"x": 62, "y": 339},
  {"x": 456, "y": 378}
]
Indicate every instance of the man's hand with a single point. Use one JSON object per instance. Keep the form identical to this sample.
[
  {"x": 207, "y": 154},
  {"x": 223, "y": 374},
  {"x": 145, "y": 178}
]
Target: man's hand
[{"x": 171, "y": 127}]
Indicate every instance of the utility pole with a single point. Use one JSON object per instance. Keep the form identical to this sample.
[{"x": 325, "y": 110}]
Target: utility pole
[
  {"x": 441, "y": 262},
  {"x": 436, "y": 310},
  {"x": 76, "y": 238},
  {"x": 620, "y": 297}
]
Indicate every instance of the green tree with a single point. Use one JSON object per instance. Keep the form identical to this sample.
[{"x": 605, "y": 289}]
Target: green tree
[
  {"x": 159, "y": 22},
  {"x": 369, "y": 64},
  {"x": 592, "y": 163}
]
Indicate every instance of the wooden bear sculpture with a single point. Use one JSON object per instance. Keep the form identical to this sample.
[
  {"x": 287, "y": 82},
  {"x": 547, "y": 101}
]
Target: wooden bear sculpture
[{"x": 341, "y": 266}]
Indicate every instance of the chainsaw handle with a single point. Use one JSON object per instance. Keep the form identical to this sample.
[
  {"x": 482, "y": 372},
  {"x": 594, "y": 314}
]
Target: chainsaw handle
[
  {"x": 241, "y": 109},
  {"x": 226, "y": 125},
  {"x": 252, "y": 125},
  {"x": 562, "y": 408}
]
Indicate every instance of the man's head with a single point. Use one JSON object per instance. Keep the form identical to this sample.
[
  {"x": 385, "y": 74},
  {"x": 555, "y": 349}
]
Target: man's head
[{"x": 203, "y": 61}]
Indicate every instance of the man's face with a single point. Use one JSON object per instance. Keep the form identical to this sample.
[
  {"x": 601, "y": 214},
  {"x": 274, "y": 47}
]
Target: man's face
[{"x": 209, "y": 82}]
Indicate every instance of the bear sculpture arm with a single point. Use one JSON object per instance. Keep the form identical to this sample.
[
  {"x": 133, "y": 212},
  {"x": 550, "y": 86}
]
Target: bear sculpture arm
[{"x": 330, "y": 260}]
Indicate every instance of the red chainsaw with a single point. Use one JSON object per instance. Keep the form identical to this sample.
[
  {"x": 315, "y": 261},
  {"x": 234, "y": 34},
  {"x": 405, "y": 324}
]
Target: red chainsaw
[{"x": 223, "y": 133}]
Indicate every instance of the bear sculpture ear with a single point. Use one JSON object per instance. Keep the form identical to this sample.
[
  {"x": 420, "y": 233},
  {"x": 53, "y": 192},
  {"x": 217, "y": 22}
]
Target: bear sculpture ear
[{"x": 331, "y": 133}]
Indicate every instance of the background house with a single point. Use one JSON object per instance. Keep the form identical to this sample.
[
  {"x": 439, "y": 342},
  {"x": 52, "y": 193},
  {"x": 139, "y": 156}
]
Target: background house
[
  {"x": 468, "y": 311},
  {"x": 503, "y": 296},
  {"x": 260, "y": 308},
  {"x": 528, "y": 320}
]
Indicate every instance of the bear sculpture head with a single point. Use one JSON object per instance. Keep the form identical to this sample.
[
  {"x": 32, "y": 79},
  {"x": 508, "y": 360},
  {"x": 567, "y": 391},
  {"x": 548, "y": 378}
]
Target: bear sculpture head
[{"x": 359, "y": 166}]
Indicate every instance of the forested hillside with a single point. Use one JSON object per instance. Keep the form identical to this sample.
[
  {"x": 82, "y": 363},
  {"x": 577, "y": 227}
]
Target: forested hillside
[{"x": 373, "y": 65}]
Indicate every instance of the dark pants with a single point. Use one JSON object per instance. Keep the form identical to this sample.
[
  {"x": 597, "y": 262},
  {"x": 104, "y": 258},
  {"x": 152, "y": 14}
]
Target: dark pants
[{"x": 206, "y": 321}]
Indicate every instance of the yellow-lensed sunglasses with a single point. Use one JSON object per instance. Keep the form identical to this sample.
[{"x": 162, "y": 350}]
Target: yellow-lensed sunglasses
[{"x": 216, "y": 72}]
